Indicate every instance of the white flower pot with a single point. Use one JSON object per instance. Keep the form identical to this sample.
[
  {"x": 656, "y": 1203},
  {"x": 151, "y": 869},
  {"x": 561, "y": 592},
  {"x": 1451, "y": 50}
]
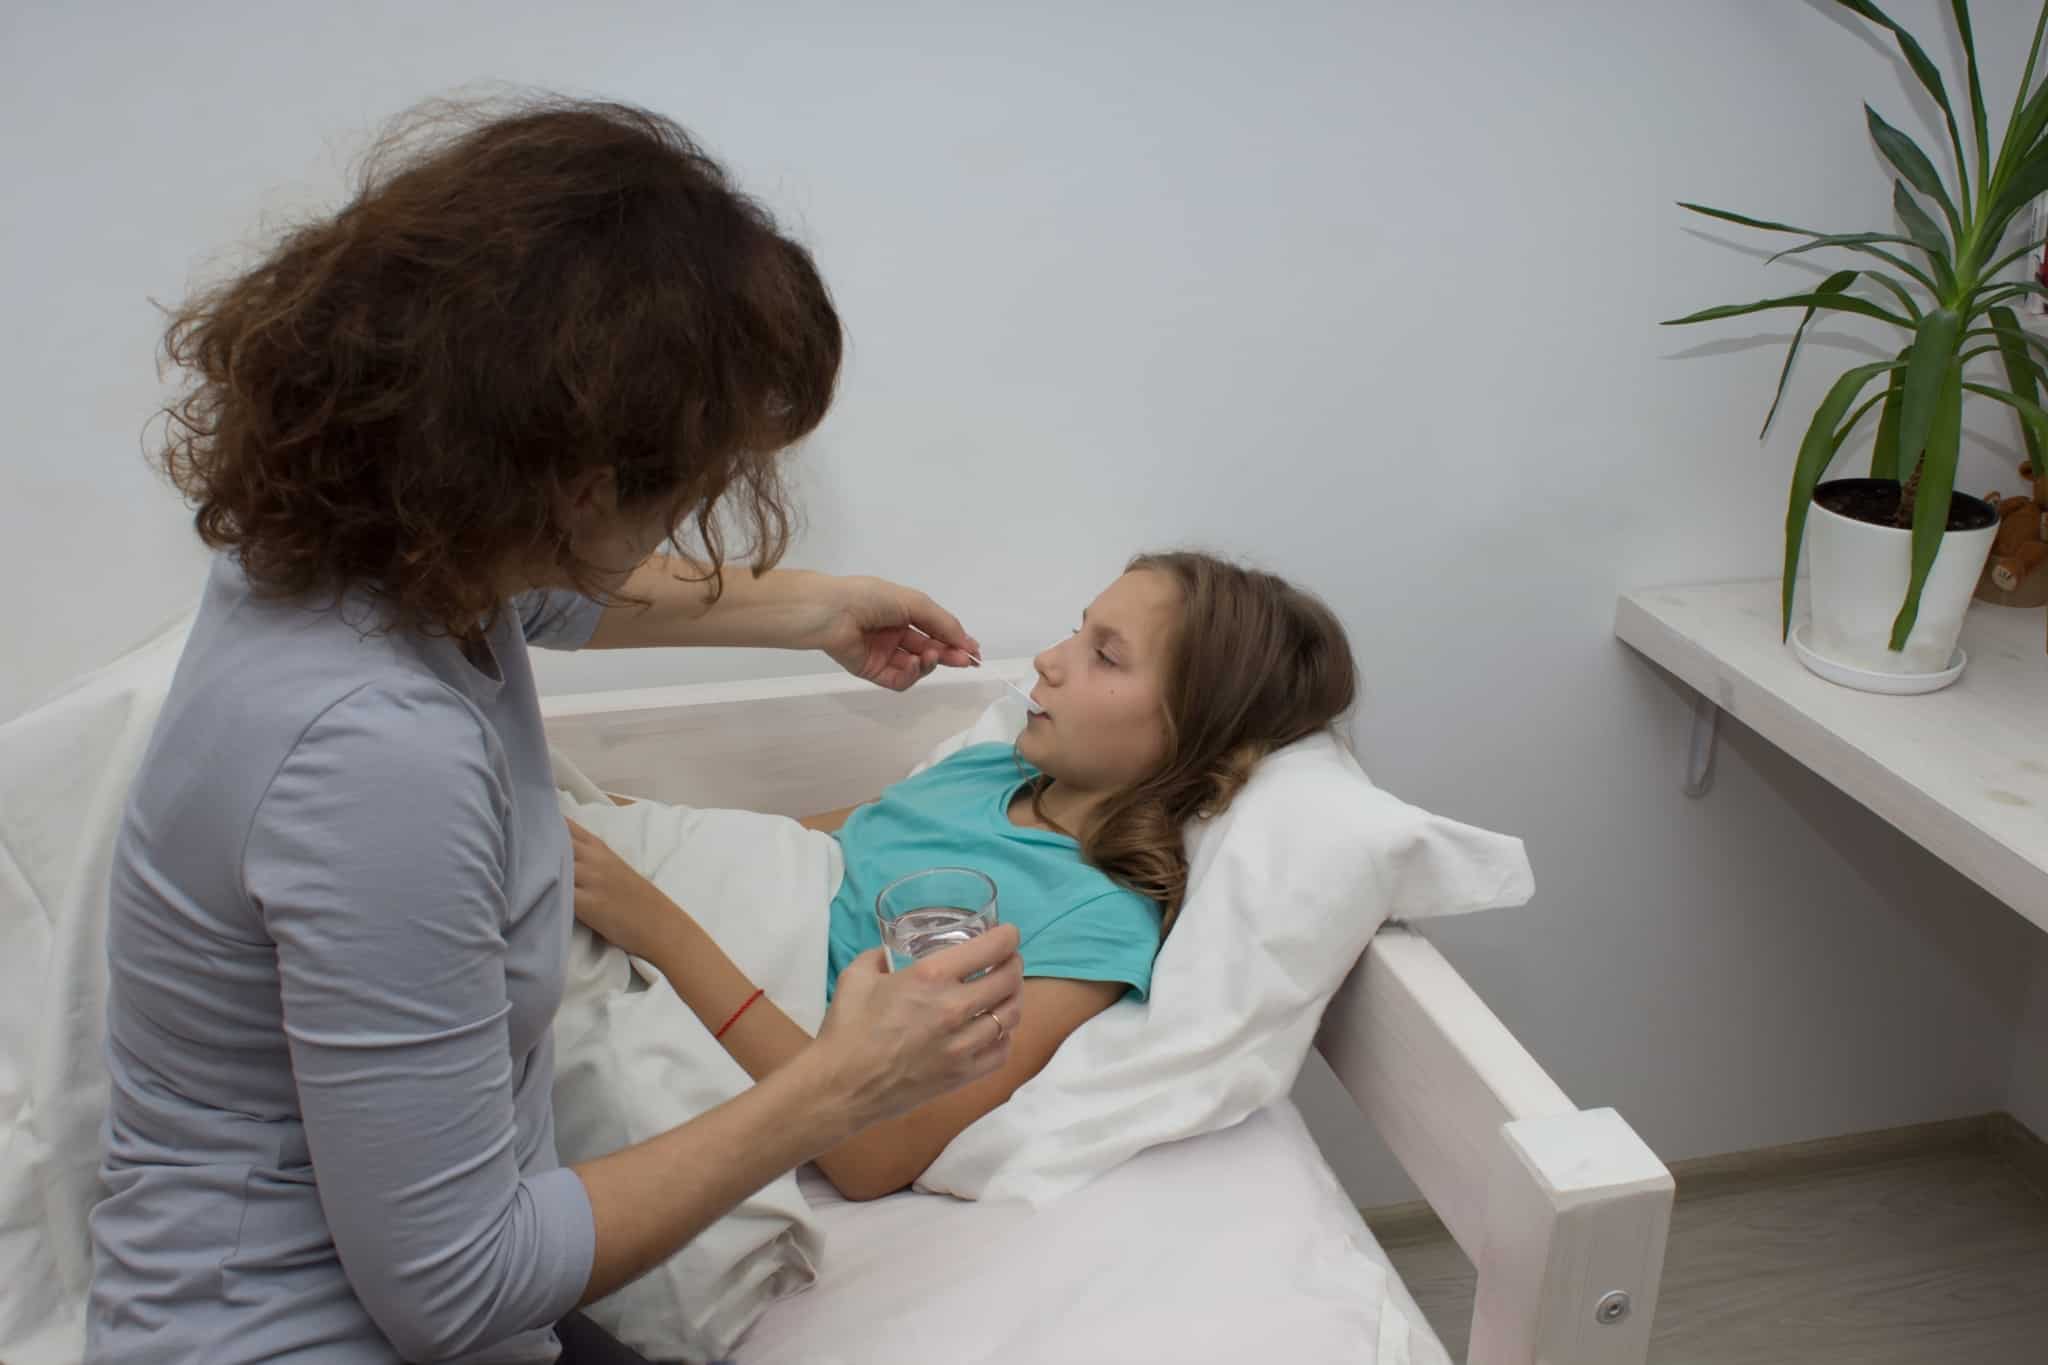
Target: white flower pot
[{"x": 1860, "y": 574}]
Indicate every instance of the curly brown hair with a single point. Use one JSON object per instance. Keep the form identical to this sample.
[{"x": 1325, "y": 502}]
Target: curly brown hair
[
  {"x": 1253, "y": 663},
  {"x": 398, "y": 395}
]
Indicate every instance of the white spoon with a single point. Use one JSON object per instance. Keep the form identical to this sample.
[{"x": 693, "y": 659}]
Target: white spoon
[{"x": 1035, "y": 707}]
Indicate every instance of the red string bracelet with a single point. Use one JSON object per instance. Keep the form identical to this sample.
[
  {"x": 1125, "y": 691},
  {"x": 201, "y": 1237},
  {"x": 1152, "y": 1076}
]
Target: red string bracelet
[{"x": 736, "y": 1015}]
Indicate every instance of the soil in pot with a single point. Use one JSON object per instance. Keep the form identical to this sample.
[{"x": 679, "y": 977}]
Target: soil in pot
[{"x": 1877, "y": 501}]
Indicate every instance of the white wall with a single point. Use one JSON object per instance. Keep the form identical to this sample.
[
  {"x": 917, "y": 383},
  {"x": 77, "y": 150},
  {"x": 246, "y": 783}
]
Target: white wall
[
  {"x": 1368, "y": 292},
  {"x": 2027, "y": 1092}
]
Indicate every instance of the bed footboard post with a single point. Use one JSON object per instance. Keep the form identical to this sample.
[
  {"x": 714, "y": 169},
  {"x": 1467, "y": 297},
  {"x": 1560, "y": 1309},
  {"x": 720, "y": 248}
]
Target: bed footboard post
[{"x": 1578, "y": 1209}]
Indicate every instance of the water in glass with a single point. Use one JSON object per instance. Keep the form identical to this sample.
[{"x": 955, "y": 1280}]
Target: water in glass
[{"x": 918, "y": 933}]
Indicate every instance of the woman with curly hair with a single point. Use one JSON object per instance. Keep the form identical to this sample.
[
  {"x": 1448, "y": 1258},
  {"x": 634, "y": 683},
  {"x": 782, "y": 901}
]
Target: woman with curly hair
[{"x": 457, "y": 418}]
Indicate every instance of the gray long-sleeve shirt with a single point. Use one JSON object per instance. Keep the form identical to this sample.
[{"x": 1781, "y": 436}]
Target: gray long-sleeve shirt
[{"x": 339, "y": 915}]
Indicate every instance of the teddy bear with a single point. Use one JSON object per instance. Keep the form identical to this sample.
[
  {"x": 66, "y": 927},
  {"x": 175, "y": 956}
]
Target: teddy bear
[{"x": 2021, "y": 544}]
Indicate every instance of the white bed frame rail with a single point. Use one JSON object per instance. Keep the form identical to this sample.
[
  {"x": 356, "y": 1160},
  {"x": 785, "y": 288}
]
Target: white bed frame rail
[{"x": 1563, "y": 1211}]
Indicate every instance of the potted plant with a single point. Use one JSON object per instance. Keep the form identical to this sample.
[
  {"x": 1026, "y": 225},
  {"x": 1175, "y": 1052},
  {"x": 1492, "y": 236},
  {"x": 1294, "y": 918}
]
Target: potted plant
[{"x": 1896, "y": 556}]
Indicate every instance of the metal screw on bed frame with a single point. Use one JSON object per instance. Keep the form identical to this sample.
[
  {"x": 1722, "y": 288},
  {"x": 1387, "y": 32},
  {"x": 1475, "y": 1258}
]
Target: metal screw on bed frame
[{"x": 1612, "y": 1308}]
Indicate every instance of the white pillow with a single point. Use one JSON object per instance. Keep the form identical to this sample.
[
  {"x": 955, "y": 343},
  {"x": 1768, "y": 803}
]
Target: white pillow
[{"x": 1284, "y": 890}]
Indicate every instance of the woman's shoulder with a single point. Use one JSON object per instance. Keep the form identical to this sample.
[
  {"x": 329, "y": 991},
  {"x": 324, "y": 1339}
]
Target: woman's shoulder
[
  {"x": 263, "y": 686},
  {"x": 288, "y": 661}
]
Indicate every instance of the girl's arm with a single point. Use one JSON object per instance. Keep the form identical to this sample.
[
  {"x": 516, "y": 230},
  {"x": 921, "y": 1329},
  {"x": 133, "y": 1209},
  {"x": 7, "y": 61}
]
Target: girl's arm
[
  {"x": 880, "y": 1159},
  {"x": 887, "y": 1157}
]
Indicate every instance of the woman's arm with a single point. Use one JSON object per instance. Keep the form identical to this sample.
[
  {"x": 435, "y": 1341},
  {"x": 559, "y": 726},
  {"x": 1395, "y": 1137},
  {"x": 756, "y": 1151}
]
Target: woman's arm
[
  {"x": 874, "y": 1058},
  {"x": 376, "y": 862},
  {"x": 888, "y": 1155},
  {"x": 888, "y": 634},
  {"x": 656, "y": 1196},
  {"x": 770, "y": 611}
]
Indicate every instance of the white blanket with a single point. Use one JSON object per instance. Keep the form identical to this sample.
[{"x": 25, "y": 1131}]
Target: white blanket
[
  {"x": 631, "y": 1060},
  {"x": 64, "y": 774}
]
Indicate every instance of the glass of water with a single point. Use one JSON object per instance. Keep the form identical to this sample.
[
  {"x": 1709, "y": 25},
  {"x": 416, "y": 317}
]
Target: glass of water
[{"x": 934, "y": 909}]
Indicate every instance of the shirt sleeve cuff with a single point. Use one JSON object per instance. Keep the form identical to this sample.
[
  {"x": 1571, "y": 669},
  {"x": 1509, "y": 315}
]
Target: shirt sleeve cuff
[
  {"x": 563, "y": 1206},
  {"x": 1107, "y": 973},
  {"x": 558, "y": 619}
]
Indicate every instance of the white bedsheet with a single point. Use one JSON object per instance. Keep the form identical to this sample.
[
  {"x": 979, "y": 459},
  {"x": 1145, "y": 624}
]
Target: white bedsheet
[{"x": 1237, "y": 1246}]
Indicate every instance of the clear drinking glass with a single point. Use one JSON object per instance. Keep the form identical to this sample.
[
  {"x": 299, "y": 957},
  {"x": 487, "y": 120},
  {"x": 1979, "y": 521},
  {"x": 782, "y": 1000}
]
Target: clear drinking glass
[{"x": 933, "y": 909}]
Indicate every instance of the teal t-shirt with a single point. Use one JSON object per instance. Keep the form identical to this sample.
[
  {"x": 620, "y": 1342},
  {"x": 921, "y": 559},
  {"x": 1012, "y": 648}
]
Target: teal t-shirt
[{"x": 1075, "y": 921}]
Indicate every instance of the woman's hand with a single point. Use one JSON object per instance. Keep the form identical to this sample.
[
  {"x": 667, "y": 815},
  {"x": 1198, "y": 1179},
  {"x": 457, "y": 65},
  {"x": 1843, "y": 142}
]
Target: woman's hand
[
  {"x": 900, "y": 1039},
  {"x": 614, "y": 900},
  {"x": 886, "y": 633}
]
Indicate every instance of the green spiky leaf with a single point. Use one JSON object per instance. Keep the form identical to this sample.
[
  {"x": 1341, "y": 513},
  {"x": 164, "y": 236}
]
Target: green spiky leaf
[
  {"x": 1932, "y": 355},
  {"x": 1884, "y": 456},
  {"x": 1911, "y": 162},
  {"x": 1928, "y": 73},
  {"x": 1833, "y": 284},
  {"x": 1816, "y": 451},
  {"x": 1863, "y": 243},
  {"x": 1842, "y": 303},
  {"x": 1745, "y": 220},
  {"x": 1925, "y": 234},
  {"x": 2029, "y": 178},
  {"x": 2022, "y": 375},
  {"x": 2033, "y": 417},
  {"x": 1937, "y": 487},
  {"x": 1979, "y": 120}
]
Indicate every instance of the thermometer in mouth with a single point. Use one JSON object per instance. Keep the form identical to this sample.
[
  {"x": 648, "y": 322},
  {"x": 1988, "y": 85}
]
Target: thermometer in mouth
[{"x": 1035, "y": 707}]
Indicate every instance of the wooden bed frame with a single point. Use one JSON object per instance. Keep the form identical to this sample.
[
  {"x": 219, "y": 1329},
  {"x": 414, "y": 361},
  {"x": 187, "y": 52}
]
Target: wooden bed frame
[{"x": 1563, "y": 1211}]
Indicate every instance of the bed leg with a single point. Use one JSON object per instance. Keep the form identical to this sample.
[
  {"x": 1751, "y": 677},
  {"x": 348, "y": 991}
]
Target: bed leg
[{"x": 1578, "y": 1209}]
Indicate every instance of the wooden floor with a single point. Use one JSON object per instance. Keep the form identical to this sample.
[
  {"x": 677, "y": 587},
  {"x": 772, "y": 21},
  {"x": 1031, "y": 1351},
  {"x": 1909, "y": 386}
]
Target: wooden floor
[{"x": 1929, "y": 1251}]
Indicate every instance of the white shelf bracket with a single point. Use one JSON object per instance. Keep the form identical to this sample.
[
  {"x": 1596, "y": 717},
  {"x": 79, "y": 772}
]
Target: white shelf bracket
[{"x": 1699, "y": 754}]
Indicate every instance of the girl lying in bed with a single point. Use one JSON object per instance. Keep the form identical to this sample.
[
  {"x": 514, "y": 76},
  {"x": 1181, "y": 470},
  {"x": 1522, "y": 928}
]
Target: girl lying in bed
[{"x": 1183, "y": 674}]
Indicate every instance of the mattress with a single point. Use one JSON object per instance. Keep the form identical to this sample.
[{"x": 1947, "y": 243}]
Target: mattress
[{"x": 1232, "y": 1247}]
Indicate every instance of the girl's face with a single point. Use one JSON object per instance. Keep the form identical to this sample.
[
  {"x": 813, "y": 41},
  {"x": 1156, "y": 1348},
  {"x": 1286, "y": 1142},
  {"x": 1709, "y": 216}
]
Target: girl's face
[{"x": 1103, "y": 687}]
